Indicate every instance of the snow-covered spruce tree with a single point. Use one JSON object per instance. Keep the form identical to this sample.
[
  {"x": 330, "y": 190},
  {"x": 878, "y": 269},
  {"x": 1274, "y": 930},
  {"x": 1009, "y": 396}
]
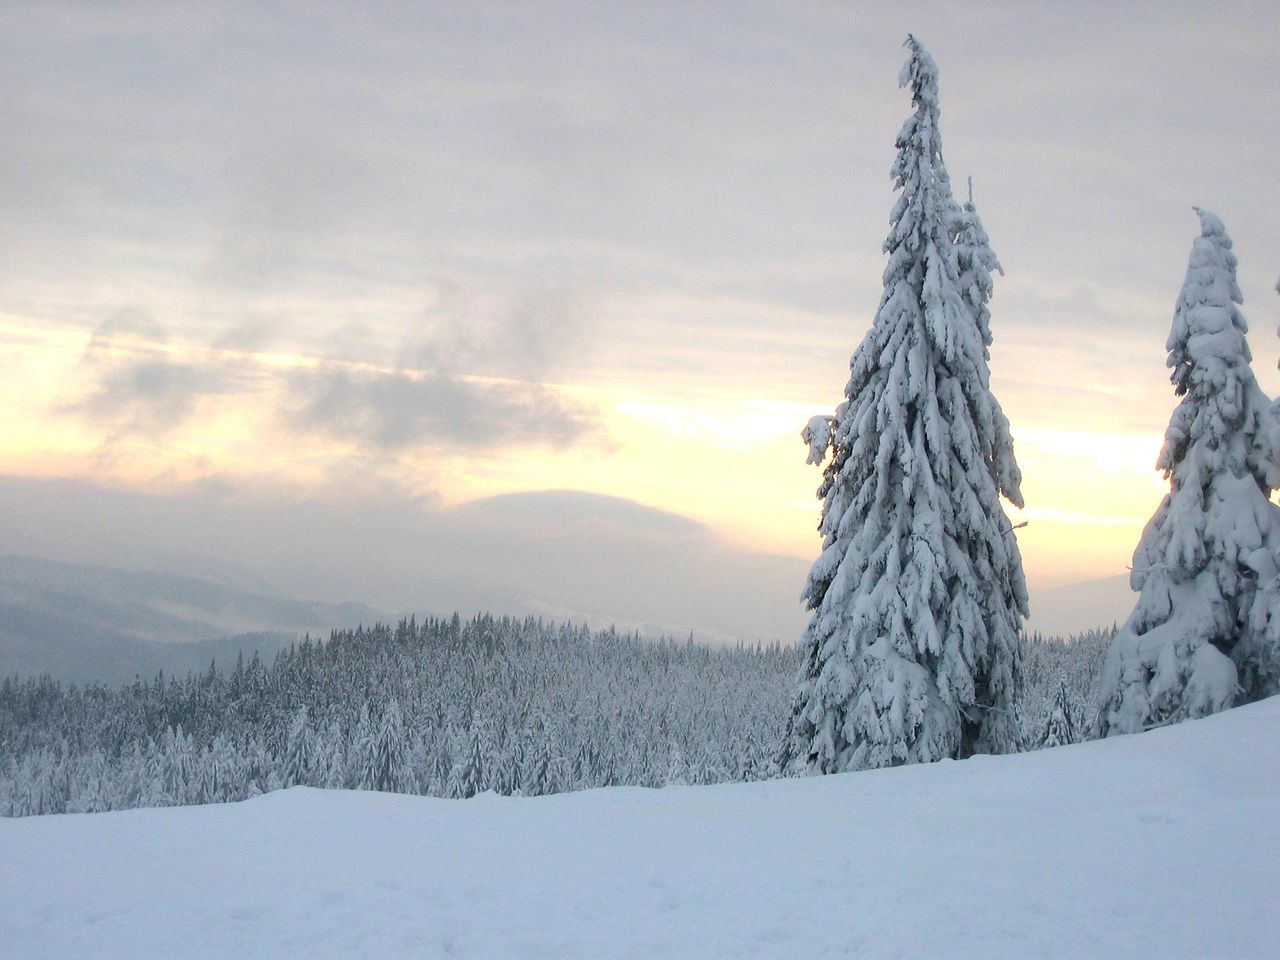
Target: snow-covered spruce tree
[
  {"x": 300, "y": 755},
  {"x": 387, "y": 754},
  {"x": 1060, "y": 728},
  {"x": 1201, "y": 637},
  {"x": 913, "y": 651}
]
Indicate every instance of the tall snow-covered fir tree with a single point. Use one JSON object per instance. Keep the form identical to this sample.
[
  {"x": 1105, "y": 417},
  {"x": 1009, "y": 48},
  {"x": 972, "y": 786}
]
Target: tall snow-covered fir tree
[
  {"x": 913, "y": 652},
  {"x": 1202, "y": 636}
]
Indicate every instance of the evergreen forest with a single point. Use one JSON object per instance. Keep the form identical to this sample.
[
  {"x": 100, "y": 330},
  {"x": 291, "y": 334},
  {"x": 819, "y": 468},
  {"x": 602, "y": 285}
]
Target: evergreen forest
[{"x": 447, "y": 708}]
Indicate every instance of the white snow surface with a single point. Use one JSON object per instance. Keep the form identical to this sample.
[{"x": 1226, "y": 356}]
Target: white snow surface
[{"x": 1162, "y": 844}]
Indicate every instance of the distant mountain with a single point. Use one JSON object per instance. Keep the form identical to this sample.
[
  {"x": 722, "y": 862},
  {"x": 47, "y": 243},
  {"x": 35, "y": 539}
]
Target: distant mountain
[{"x": 84, "y": 623}]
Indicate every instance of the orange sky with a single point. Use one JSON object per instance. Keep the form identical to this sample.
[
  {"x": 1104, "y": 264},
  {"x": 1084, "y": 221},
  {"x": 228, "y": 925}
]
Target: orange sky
[{"x": 721, "y": 453}]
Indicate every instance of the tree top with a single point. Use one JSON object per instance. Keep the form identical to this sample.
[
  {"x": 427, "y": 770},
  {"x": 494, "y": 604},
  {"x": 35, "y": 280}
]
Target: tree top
[
  {"x": 920, "y": 72},
  {"x": 1211, "y": 224}
]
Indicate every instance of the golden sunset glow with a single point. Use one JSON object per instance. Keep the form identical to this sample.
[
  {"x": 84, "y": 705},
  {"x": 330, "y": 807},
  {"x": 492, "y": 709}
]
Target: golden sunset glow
[{"x": 732, "y": 461}]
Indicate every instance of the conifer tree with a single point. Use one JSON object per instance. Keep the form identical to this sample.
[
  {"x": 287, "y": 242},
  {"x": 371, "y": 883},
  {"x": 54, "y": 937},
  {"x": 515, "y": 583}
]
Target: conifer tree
[
  {"x": 387, "y": 754},
  {"x": 217, "y": 775},
  {"x": 333, "y": 758},
  {"x": 1060, "y": 728},
  {"x": 467, "y": 778},
  {"x": 913, "y": 650},
  {"x": 300, "y": 755},
  {"x": 533, "y": 769},
  {"x": 1202, "y": 635}
]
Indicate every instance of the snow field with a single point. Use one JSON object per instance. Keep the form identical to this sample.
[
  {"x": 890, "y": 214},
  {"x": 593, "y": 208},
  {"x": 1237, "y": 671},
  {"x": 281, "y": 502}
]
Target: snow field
[{"x": 1160, "y": 845}]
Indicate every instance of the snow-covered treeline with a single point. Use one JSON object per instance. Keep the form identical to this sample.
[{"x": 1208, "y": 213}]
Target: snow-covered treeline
[
  {"x": 442, "y": 707},
  {"x": 1060, "y": 678}
]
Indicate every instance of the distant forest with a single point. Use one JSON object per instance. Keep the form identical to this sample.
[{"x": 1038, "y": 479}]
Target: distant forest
[{"x": 446, "y": 708}]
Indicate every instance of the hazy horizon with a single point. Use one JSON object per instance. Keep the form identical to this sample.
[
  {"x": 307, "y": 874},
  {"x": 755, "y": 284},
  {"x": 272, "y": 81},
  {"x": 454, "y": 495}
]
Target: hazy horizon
[{"x": 282, "y": 293}]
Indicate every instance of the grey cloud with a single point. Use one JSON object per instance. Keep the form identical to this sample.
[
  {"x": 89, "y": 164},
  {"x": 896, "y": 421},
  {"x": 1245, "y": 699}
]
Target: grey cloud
[
  {"x": 133, "y": 322},
  {"x": 564, "y": 554},
  {"x": 568, "y": 511},
  {"x": 289, "y": 201},
  {"x": 355, "y": 341},
  {"x": 570, "y": 553},
  {"x": 1025, "y": 305},
  {"x": 349, "y": 160},
  {"x": 148, "y": 397},
  {"x": 248, "y": 335},
  {"x": 392, "y": 411},
  {"x": 531, "y": 335},
  {"x": 131, "y": 385},
  {"x": 135, "y": 387}
]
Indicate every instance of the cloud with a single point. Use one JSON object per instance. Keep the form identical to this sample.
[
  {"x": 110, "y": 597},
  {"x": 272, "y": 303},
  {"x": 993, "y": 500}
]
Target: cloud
[
  {"x": 148, "y": 397},
  {"x": 530, "y": 334},
  {"x": 565, "y": 553},
  {"x": 136, "y": 387},
  {"x": 249, "y": 335},
  {"x": 132, "y": 322},
  {"x": 599, "y": 558},
  {"x": 132, "y": 381},
  {"x": 572, "y": 512},
  {"x": 290, "y": 196},
  {"x": 332, "y": 170},
  {"x": 397, "y": 410}
]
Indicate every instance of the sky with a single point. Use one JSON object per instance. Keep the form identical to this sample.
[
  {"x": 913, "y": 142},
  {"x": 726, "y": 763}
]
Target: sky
[{"x": 524, "y": 305}]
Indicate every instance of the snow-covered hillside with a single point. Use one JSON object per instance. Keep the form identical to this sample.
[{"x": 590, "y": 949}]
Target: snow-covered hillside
[{"x": 1160, "y": 845}]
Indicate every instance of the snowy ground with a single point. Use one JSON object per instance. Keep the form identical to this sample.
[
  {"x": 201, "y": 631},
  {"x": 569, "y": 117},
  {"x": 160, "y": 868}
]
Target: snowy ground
[{"x": 1162, "y": 845}]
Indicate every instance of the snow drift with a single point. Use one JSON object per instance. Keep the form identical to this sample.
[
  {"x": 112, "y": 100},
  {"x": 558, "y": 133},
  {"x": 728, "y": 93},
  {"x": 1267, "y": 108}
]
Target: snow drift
[{"x": 1158, "y": 845}]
